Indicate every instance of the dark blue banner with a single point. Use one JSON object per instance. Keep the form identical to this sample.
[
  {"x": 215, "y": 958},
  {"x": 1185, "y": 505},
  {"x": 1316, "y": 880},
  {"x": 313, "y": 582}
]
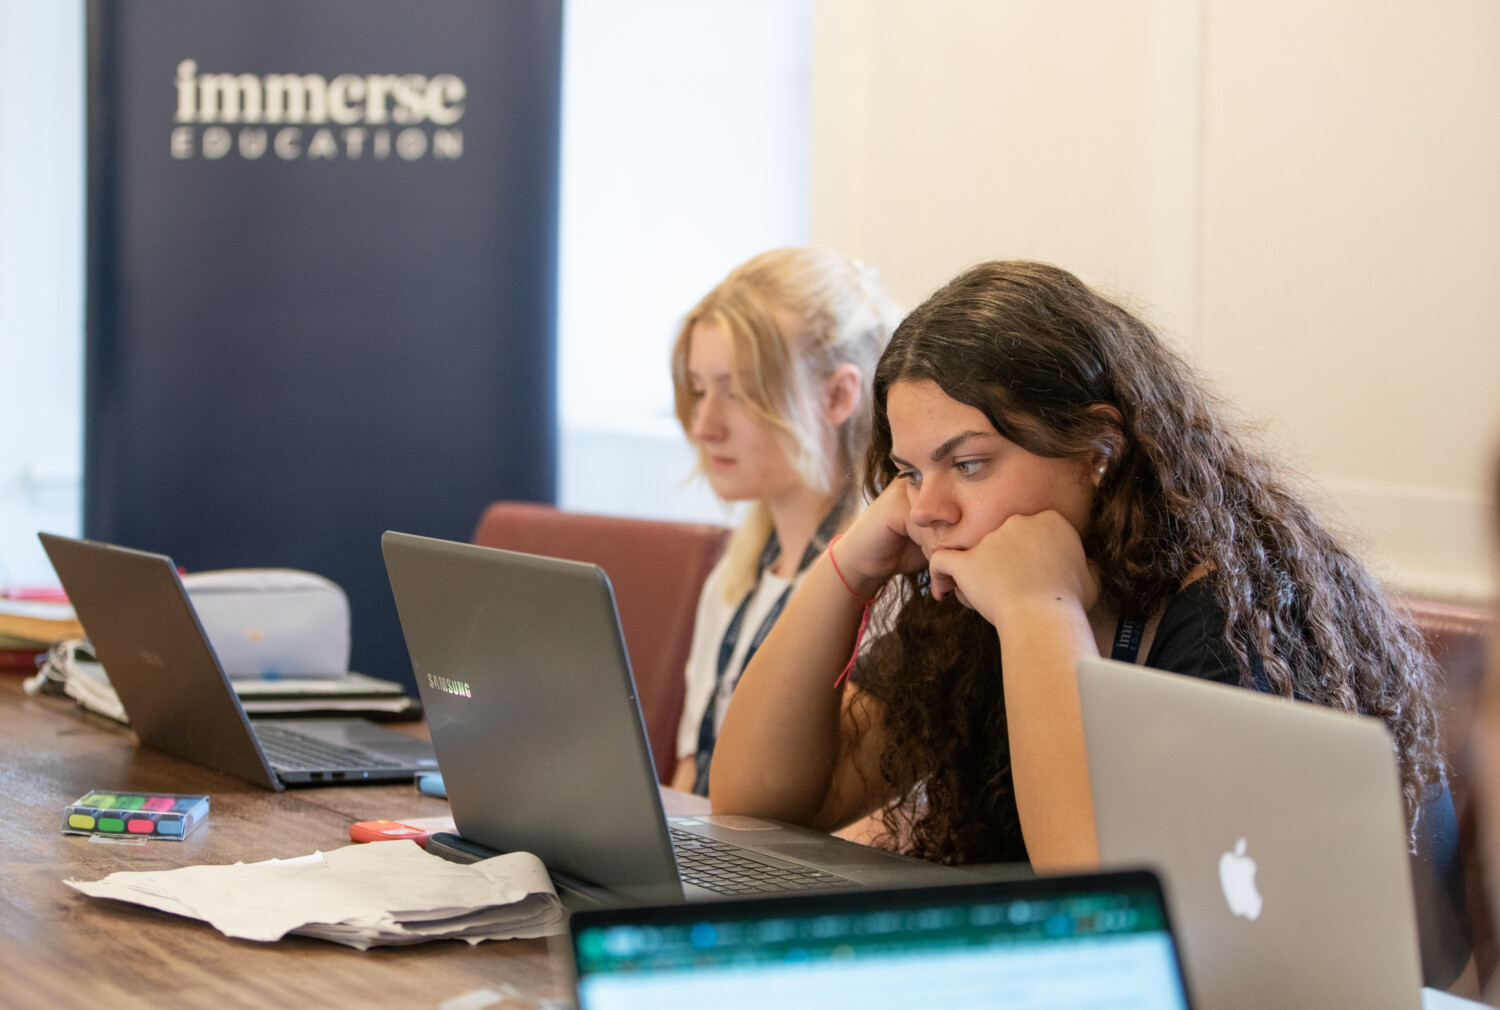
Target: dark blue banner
[{"x": 321, "y": 280}]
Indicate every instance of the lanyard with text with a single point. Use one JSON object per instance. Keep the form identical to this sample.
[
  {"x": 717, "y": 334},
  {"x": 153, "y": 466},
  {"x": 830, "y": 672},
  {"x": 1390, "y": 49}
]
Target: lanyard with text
[
  {"x": 1128, "y": 635},
  {"x": 707, "y": 730}
]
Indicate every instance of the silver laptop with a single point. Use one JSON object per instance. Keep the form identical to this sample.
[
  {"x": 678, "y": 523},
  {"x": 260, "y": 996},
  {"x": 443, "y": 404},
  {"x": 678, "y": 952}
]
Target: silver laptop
[
  {"x": 1050, "y": 943},
  {"x": 527, "y": 688},
  {"x": 144, "y": 631},
  {"x": 1278, "y": 829}
]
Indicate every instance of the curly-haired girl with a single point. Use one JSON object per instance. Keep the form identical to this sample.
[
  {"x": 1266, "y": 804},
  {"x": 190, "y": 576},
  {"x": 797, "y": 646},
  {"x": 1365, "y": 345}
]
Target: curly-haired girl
[{"x": 1049, "y": 481}]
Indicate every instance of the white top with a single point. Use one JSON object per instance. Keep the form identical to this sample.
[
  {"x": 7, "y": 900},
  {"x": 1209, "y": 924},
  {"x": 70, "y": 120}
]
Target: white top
[{"x": 712, "y": 620}]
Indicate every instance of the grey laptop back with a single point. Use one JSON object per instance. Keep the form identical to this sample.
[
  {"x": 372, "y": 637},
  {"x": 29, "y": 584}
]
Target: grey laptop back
[
  {"x": 1278, "y": 828},
  {"x": 526, "y": 683},
  {"x": 145, "y": 632},
  {"x": 528, "y": 695}
]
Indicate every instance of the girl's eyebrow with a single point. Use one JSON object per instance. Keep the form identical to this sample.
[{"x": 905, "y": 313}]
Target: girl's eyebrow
[{"x": 944, "y": 450}]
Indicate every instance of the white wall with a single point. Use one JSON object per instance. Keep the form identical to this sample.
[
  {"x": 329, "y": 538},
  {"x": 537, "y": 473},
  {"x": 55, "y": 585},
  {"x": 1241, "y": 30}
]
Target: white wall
[
  {"x": 1351, "y": 253},
  {"x": 1304, "y": 196},
  {"x": 684, "y": 153},
  {"x": 41, "y": 280}
]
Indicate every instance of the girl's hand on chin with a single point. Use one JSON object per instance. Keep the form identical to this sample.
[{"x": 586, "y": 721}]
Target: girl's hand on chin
[
  {"x": 1028, "y": 559},
  {"x": 876, "y": 547}
]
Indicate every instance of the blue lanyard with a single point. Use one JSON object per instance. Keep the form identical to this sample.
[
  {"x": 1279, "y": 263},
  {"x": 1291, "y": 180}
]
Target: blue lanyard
[
  {"x": 707, "y": 732},
  {"x": 1128, "y": 636}
]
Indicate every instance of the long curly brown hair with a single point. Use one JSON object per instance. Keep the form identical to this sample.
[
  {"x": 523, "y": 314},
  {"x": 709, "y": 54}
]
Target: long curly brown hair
[{"x": 1034, "y": 349}]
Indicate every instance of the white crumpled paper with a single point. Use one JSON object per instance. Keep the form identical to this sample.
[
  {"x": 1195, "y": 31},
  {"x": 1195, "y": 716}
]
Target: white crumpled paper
[{"x": 361, "y": 895}]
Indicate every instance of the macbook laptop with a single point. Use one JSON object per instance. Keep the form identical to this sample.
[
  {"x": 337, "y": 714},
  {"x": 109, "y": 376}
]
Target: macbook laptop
[
  {"x": 1279, "y": 830},
  {"x": 144, "y": 631},
  {"x": 527, "y": 687},
  {"x": 1050, "y": 943}
]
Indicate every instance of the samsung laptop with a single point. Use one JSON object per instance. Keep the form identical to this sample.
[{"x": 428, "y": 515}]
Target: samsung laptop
[
  {"x": 159, "y": 660},
  {"x": 1049, "y": 943},
  {"x": 527, "y": 688},
  {"x": 1279, "y": 831}
]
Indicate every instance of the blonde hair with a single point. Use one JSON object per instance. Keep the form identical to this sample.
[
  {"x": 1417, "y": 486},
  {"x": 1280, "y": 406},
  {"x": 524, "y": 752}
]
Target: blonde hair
[{"x": 792, "y": 317}]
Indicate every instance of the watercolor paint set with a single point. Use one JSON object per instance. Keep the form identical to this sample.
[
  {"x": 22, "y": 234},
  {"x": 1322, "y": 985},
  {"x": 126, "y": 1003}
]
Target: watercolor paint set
[{"x": 135, "y": 815}]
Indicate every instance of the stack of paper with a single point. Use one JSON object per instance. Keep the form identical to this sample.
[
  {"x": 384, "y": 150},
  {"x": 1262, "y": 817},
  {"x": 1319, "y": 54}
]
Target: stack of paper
[
  {"x": 361, "y": 895},
  {"x": 70, "y": 669},
  {"x": 350, "y": 692},
  {"x": 31, "y": 625}
]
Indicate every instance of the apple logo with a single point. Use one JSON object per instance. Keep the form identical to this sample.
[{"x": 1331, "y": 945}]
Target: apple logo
[{"x": 1237, "y": 877}]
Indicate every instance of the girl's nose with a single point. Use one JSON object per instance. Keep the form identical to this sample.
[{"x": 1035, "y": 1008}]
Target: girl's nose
[
  {"x": 708, "y": 419},
  {"x": 934, "y": 505}
]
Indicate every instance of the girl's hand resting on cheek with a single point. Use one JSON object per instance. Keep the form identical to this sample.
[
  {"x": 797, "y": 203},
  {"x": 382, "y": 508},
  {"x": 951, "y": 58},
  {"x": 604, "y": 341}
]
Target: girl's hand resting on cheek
[
  {"x": 1028, "y": 559},
  {"x": 876, "y": 547}
]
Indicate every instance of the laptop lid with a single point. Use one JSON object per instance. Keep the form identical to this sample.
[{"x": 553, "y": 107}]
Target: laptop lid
[
  {"x": 527, "y": 690},
  {"x": 1278, "y": 827},
  {"x": 146, "y": 634},
  {"x": 1060, "y": 943}
]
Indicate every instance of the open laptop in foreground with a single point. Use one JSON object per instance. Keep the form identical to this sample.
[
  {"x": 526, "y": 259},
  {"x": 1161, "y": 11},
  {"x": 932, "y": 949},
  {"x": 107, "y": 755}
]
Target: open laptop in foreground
[
  {"x": 527, "y": 687},
  {"x": 1278, "y": 827},
  {"x": 1049, "y": 943},
  {"x": 144, "y": 631}
]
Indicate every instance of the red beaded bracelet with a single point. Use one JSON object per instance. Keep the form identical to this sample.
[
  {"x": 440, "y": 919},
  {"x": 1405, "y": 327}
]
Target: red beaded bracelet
[{"x": 864, "y": 617}]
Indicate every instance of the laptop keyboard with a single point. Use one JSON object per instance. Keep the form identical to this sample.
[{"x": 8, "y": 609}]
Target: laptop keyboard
[
  {"x": 288, "y": 749},
  {"x": 728, "y": 869}
]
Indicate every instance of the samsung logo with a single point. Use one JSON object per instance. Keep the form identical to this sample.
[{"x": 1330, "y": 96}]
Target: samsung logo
[
  {"x": 447, "y": 686},
  {"x": 292, "y": 116}
]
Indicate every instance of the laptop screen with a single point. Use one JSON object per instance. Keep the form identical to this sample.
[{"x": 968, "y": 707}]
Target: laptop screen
[{"x": 1058, "y": 943}]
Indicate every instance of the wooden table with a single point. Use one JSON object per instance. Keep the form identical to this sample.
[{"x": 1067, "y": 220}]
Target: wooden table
[{"x": 59, "y": 948}]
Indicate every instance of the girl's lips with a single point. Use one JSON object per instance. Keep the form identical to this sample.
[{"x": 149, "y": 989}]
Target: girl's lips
[{"x": 721, "y": 462}]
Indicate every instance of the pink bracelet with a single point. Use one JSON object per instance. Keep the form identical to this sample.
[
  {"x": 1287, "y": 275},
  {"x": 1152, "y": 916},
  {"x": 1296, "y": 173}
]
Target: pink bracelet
[{"x": 864, "y": 617}]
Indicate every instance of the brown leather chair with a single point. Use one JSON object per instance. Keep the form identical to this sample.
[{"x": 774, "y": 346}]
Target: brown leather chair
[
  {"x": 1458, "y": 637},
  {"x": 657, "y": 569}
]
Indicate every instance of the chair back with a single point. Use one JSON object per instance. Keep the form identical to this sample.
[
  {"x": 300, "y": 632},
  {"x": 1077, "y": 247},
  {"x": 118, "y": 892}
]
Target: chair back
[
  {"x": 1453, "y": 906},
  {"x": 657, "y": 569}
]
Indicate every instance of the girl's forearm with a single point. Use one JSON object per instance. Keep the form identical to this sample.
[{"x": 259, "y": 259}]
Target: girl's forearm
[
  {"x": 1041, "y": 646},
  {"x": 779, "y": 749}
]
